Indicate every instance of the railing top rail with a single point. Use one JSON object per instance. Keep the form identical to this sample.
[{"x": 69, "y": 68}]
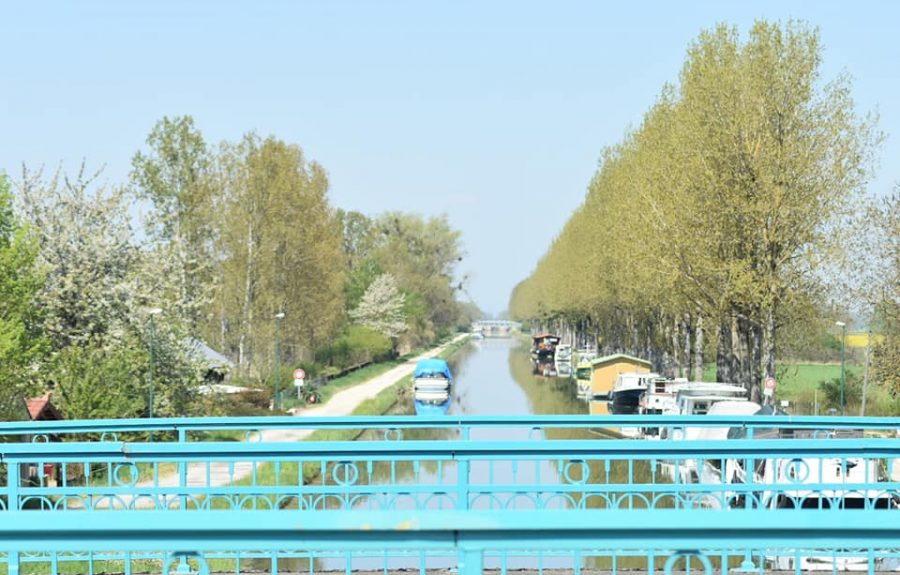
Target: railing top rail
[
  {"x": 662, "y": 529},
  {"x": 450, "y": 449},
  {"x": 9, "y": 428}
]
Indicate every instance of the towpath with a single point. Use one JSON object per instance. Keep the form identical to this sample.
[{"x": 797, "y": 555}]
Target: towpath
[{"x": 344, "y": 402}]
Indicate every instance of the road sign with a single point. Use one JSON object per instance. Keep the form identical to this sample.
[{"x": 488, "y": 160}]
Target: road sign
[
  {"x": 769, "y": 389},
  {"x": 299, "y": 373}
]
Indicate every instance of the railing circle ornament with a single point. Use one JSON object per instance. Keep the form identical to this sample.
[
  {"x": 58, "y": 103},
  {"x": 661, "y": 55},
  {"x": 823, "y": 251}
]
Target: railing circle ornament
[
  {"x": 673, "y": 559},
  {"x": 110, "y": 436},
  {"x": 393, "y": 434},
  {"x": 584, "y": 471},
  {"x": 253, "y": 436},
  {"x": 40, "y": 438},
  {"x": 132, "y": 474},
  {"x": 796, "y": 470},
  {"x": 345, "y": 473}
]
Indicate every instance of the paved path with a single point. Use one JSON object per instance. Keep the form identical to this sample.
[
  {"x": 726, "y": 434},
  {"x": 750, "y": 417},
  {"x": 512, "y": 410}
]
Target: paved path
[{"x": 341, "y": 403}]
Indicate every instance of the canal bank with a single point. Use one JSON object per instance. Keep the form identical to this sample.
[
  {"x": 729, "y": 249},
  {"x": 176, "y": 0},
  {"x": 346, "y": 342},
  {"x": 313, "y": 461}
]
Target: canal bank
[
  {"x": 491, "y": 376},
  {"x": 376, "y": 396}
]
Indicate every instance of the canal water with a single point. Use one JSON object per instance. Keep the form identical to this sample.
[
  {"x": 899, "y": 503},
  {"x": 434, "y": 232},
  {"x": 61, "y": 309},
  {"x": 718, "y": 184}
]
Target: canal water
[
  {"x": 493, "y": 377},
  {"x": 496, "y": 377}
]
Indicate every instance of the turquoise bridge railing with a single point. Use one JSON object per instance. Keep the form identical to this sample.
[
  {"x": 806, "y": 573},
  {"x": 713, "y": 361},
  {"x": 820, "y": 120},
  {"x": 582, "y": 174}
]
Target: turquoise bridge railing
[{"x": 473, "y": 493}]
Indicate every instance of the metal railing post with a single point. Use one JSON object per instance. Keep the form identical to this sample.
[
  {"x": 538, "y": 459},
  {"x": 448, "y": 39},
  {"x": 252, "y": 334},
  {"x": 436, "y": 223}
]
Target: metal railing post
[
  {"x": 747, "y": 565},
  {"x": 182, "y": 473},
  {"x": 471, "y": 561},
  {"x": 13, "y": 476},
  {"x": 462, "y": 484}
]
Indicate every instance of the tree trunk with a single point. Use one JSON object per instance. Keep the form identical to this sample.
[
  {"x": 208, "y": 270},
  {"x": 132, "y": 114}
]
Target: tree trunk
[
  {"x": 698, "y": 349},
  {"x": 676, "y": 351},
  {"x": 738, "y": 345},
  {"x": 247, "y": 328},
  {"x": 686, "y": 352},
  {"x": 635, "y": 340},
  {"x": 770, "y": 342},
  {"x": 755, "y": 361},
  {"x": 865, "y": 389},
  {"x": 723, "y": 352}
]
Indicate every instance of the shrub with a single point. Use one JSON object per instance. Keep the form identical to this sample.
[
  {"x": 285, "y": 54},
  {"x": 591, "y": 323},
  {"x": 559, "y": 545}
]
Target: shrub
[
  {"x": 356, "y": 345},
  {"x": 831, "y": 390}
]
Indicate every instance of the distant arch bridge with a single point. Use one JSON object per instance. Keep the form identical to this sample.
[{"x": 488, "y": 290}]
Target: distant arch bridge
[{"x": 496, "y": 327}]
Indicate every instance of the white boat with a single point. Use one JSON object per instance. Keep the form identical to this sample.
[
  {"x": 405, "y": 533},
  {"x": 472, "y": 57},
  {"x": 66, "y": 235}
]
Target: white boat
[
  {"x": 850, "y": 486},
  {"x": 583, "y": 372},
  {"x": 833, "y": 483},
  {"x": 564, "y": 369},
  {"x": 659, "y": 399},
  {"x": 563, "y": 353},
  {"x": 693, "y": 398},
  {"x": 627, "y": 391},
  {"x": 697, "y": 398},
  {"x": 584, "y": 354}
]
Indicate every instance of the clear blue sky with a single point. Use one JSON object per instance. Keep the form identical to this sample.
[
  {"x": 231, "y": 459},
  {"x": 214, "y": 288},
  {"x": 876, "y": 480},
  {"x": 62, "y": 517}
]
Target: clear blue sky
[{"x": 492, "y": 112}]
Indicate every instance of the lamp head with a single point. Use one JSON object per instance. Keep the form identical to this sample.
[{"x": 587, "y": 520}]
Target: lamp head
[
  {"x": 154, "y": 311},
  {"x": 279, "y": 315},
  {"x": 840, "y": 324}
]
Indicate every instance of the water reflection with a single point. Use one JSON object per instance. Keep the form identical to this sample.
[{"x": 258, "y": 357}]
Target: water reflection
[{"x": 491, "y": 377}]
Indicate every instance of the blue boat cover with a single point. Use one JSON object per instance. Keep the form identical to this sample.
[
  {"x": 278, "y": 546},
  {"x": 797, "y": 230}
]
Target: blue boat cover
[
  {"x": 423, "y": 408},
  {"x": 431, "y": 368}
]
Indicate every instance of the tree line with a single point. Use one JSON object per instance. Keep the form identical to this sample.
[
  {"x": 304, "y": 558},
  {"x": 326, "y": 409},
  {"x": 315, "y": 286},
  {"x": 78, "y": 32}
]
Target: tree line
[
  {"x": 205, "y": 243},
  {"x": 720, "y": 223}
]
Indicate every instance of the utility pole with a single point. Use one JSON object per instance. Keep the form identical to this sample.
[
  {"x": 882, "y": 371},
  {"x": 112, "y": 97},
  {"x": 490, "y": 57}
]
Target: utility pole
[
  {"x": 278, "y": 317},
  {"x": 862, "y": 407},
  {"x": 843, "y": 327}
]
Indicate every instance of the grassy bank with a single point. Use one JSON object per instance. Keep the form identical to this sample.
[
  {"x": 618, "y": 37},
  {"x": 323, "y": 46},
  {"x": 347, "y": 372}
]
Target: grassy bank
[
  {"x": 270, "y": 474},
  {"x": 798, "y": 380},
  {"x": 361, "y": 375},
  {"x": 353, "y": 378},
  {"x": 381, "y": 404}
]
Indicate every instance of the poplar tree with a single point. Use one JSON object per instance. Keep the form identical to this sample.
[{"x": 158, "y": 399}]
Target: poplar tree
[
  {"x": 174, "y": 175},
  {"x": 723, "y": 209},
  {"x": 281, "y": 243}
]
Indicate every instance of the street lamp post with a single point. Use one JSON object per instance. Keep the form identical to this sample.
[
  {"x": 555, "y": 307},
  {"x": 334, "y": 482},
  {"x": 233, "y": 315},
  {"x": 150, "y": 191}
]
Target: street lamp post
[
  {"x": 843, "y": 327},
  {"x": 152, "y": 313},
  {"x": 278, "y": 317}
]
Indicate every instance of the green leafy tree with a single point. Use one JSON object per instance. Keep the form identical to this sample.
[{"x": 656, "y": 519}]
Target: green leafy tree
[
  {"x": 174, "y": 174},
  {"x": 720, "y": 212},
  {"x": 884, "y": 291},
  {"x": 281, "y": 251},
  {"x": 95, "y": 297},
  {"x": 422, "y": 254},
  {"x": 22, "y": 346},
  {"x": 359, "y": 245}
]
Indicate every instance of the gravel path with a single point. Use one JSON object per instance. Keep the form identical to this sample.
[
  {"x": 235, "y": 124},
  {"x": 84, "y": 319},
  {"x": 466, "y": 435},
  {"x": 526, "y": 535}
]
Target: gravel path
[{"x": 217, "y": 474}]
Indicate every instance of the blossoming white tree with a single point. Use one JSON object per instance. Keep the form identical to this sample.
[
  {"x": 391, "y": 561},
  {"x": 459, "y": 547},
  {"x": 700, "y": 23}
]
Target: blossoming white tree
[{"x": 381, "y": 308}]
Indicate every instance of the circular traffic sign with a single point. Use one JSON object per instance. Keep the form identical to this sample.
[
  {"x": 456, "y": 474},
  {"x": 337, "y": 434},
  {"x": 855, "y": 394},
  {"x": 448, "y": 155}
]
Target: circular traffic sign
[
  {"x": 770, "y": 382},
  {"x": 299, "y": 373}
]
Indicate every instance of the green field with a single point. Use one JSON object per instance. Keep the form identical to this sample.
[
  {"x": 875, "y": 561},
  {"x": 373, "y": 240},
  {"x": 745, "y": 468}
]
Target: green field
[{"x": 798, "y": 381}]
